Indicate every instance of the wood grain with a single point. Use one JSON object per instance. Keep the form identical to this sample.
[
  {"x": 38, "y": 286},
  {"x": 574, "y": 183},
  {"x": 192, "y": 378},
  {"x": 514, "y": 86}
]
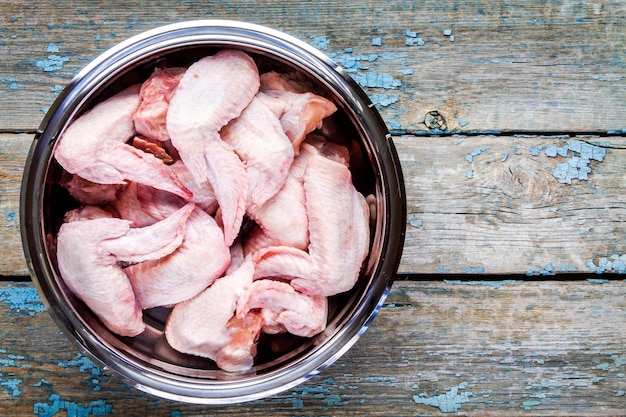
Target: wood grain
[
  {"x": 474, "y": 348},
  {"x": 496, "y": 205},
  {"x": 13, "y": 151},
  {"x": 456, "y": 66},
  {"x": 503, "y": 212}
]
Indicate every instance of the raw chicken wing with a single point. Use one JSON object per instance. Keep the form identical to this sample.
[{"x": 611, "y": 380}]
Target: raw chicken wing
[
  {"x": 88, "y": 252},
  {"x": 94, "y": 147},
  {"x": 201, "y": 258},
  {"x": 258, "y": 138},
  {"x": 156, "y": 93},
  {"x": 299, "y": 314},
  {"x": 299, "y": 113},
  {"x": 338, "y": 224},
  {"x": 212, "y": 92},
  {"x": 199, "y": 326},
  {"x": 283, "y": 218}
]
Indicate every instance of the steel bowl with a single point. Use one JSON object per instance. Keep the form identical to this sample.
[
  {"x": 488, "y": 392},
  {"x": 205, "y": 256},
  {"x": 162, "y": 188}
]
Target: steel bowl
[{"x": 145, "y": 361}]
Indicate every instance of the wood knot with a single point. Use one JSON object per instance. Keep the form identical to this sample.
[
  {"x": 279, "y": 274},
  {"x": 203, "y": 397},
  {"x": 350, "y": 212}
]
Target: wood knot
[
  {"x": 521, "y": 182},
  {"x": 435, "y": 121}
]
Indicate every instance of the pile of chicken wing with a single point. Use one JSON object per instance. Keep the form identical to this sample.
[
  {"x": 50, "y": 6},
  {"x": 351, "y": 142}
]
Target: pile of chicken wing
[{"x": 167, "y": 174}]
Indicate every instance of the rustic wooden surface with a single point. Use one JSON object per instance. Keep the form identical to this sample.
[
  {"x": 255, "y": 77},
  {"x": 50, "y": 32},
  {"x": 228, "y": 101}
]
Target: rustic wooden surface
[{"x": 497, "y": 309}]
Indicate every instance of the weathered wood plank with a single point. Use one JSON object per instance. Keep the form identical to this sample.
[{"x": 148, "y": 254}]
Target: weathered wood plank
[
  {"x": 13, "y": 152},
  {"x": 484, "y": 66},
  {"x": 499, "y": 205},
  {"x": 476, "y": 348},
  {"x": 481, "y": 204}
]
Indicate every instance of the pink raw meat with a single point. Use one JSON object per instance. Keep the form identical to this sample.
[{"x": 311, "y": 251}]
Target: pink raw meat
[
  {"x": 88, "y": 252},
  {"x": 129, "y": 207},
  {"x": 299, "y": 113},
  {"x": 274, "y": 80},
  {"x": 203, "y": 194},
  {"x": 258, "y": 138},
  {"x": 338, "y": 224},
  {"x": 238, "y": 355},
  {"x": 299, "y": 314},
  {"x": 87, "y": 192},
  {"x": 199, "y": 326},
  {"x": 212, "y": 92},
  {"x": 281, "y": 229},
  {"x": 94, "y": 147},
  {"x": 193, "y": 266},
  {"x": 155, "y": 95},
  {"x": 283, "y": 262}
]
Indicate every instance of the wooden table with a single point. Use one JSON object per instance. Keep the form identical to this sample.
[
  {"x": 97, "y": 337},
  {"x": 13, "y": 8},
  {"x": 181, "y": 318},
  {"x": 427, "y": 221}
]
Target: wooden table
[{"x": 510, "y": 122}]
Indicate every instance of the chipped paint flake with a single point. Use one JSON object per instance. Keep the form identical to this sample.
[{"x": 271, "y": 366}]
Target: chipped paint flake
[
  {"x": 613, "y": 263},
  {"x": 85, "y": 365},
  {"x": 23, "y": 300},
  {"x": 53, "y": 62},
  {"x": 56, "y": 404},
  {"x": 416, "y": 223},
  {"x": 374, "y": 79},
  {"x": 11, "y": 385},
  {"x": 545, "y": 270},
  {"x": 383, "y": 99},
  {"x": 450, "y": 402},
  {"x": 473, "y": 270},
  {"x": 578, "y": 156},
  {"x": 475, "y": 152},
  {"x": 528, "y": 405},
  {"x": 320, "y": 42}
]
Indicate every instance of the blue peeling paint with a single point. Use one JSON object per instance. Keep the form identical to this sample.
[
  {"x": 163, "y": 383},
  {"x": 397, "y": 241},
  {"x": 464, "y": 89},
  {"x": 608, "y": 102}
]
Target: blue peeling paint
[
  {"x": 52, "y": 63},
  {"x": 23, "y": 300},
  {"x": 56, "y": 404},
  {"x": 377, "y": 41},
  {"x": 450, "y": 402},
  {"x": 535, "y": 150},
  {"x": 546, "y": 270},
  {"x": 56, "y": 89},
  {"x": 578, "y": 157},
  {"x": 11, "y": 385},
  {"x": 473, "y": 270},
  {"x": 393, "y": 124},
  {"x": 375, "y": 80},
  {"x": 604, "y": 366},
  {"x": 469, "y": 173},
  {"x": 416, "y": 222},
  {"x": 85, "y": 365},
  {"x": 320, "y": 42},
  {"x": 41, "y": 382},
  {"x": 475, "y": 152},
  {"x": 383, "y": 99},
  {"x": 612, "y": 263},
  {"x": 528, "y": 405}
]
